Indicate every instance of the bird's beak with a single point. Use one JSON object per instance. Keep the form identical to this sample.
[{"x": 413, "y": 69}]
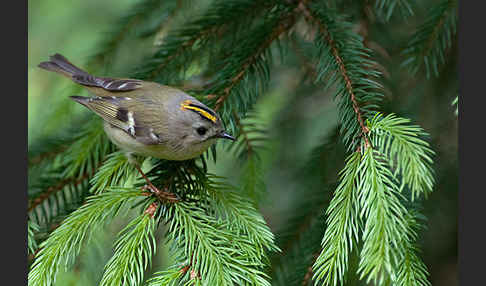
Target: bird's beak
[{"x": 226, "y": 136}]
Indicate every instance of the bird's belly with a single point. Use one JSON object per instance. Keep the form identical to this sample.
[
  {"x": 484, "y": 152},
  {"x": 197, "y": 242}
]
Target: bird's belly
[{"x": 161, "y": 151}]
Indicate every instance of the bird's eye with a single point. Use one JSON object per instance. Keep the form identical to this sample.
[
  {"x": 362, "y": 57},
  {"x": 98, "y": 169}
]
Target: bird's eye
[{"x": 201, "y": 130}]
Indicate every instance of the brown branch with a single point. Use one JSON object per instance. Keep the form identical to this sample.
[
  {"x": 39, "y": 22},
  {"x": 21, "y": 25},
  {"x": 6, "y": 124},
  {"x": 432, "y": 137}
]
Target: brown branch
[
  {"x": 286, "y": 23},
  {"x": 39, "y": 158},
  {"x": 51, "y": 190},
  {"x": 308, "y": 274},
  {"x": 349, "y": 86},
  {"x": 152, "y": 208}
]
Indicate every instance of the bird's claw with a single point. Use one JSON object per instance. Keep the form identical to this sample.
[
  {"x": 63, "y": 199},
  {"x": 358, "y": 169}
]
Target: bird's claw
[{"x": 161, "y": 195}]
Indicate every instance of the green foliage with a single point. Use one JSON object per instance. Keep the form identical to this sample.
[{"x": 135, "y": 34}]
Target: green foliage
[
  {"x": 456, "y": 103},
  {"x": 217, "y": 235},
  {"x": 369, "y": 197},
  {"x": 428, "y": 46},
  {"x": 342, "y": 227},
  {"x": 65, "y": 242},
  {"x": 113, "y": 172},
  {"x": 296, "y": 265},
  {"x": 31, "y": 242},
  {"x": 411, "y": 155},
  {"x": 388, "y": 7},
  {"x": 380, "y": 206},
  {"x": 344, "y": 63},
  {"x": 248, "y": 147},
  {"x": 133, "y": 252},
  {"x": 183, "y": 44},
  {"x": 223, "y": 243}
]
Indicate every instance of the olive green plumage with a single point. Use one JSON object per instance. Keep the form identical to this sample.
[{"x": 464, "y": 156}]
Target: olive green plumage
[{"x": 143, "y": 117}]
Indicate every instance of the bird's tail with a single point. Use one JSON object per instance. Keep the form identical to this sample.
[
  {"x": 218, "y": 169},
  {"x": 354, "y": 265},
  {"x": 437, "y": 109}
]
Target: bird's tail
[{"x": 60, "y": 64}]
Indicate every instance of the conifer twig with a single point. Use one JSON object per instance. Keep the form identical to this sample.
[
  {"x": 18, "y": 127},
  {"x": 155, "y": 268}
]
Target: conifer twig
[
  {"x": 249, "y": 148},
  {"x": 51, "y": 190},
  {"x": 349, "y": 86},
  {"x": 283, "y": 26}
]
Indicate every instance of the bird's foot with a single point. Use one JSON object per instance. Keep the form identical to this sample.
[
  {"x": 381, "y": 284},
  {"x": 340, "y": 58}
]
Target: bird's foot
[{"x": 162, "y": 195}]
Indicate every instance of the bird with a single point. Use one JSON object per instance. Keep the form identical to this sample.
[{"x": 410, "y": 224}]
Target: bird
[{"x": 145, "y": 118}]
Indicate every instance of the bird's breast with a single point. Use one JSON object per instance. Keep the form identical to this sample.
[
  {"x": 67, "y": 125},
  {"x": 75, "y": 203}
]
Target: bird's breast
[{"x": 168, "y": 150}]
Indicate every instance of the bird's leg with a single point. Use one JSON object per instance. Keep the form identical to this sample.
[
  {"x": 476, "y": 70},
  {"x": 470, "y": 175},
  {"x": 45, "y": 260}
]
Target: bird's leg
[{"x": 162, "y": 195}]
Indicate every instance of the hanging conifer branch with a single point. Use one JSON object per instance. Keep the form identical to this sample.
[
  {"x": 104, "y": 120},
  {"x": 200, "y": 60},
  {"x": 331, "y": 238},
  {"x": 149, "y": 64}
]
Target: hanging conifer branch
[
  {"x": 52, "y": 190},
  {"x": 280, "y": 27},
  {"x": 176, "y": 50},
  {"x": 216, "y": 234},
  {"x": 347, "y": 55},
  {"x": 428, "y": 45}
]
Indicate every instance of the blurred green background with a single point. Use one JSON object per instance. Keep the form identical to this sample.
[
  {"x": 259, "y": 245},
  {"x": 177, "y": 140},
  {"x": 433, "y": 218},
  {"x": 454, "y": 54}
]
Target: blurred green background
[{"x": 75, "y": 28}]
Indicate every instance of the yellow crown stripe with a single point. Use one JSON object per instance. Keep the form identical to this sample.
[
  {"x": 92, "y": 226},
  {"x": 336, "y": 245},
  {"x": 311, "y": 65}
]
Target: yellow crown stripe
[{"x": 185, "y": 105}]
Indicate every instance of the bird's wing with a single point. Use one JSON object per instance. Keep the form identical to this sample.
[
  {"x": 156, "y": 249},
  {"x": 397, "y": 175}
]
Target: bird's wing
[
  {"x": 111, "y": 84},
  {"x": 118, "y": 111}
]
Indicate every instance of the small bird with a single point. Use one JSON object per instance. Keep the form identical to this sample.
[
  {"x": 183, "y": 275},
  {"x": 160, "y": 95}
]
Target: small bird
[{"x": 146, "y": 118}]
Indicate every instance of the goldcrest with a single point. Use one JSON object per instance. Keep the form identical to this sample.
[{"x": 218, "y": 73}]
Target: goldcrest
[{"x": 146, "y": 118}]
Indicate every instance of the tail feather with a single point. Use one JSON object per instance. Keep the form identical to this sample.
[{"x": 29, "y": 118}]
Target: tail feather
[{"x": 60, "y": 64}]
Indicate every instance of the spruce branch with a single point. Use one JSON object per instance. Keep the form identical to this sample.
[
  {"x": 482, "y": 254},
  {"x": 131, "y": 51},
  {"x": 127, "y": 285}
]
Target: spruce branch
[
  {"x": 427, "y": 47},
  {"x": 182, "y": 44},
  {"x": 388, "y": 7},
  {"x": 410, "y": 268},
  {"x": 242, "y": 216},
  {"x": 219, "y": 256},
  {"x": 65, "y": 242},
  {"x": 50, "y": 191},
  {"x": 295, "y": 267},
  {"x": 114, "y": 170},
  {"x": 342, "y": 227},
  {"x": 134, "y": 249},
  {"x": 248, "y": 147},
  {"x": 456, "y": 103},
  {"x": 88, "y": 152},
  {"x": 342, "y": 50},
  {"x": 408, "y": 154},
  {"x": 381, "y": 208},
  {"x": 249, "y": 61},
  {"x": 219, "y": 241},
  {"x": 32, "y": 246}
]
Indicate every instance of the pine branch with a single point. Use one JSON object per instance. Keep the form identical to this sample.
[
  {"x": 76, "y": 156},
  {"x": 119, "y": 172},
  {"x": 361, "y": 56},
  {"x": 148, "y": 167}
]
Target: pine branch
[
  {"x": 65, "y": 242},
  {"x": 428, "y": 45}
]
